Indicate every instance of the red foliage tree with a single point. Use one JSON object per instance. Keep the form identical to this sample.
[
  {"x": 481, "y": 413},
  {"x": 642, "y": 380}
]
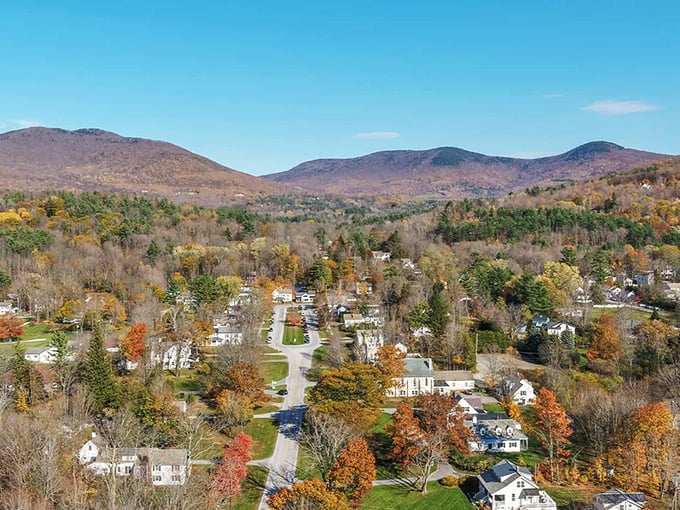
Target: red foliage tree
[
  {"x": 227, "y": 478},
  {"x": 11, "y": 329},
  {"x": 553, "y": 428}
]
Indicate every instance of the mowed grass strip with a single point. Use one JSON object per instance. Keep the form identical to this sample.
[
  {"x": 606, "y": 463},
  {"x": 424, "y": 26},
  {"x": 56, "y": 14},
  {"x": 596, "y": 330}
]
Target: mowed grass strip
[{"x": 437, "y": 497}]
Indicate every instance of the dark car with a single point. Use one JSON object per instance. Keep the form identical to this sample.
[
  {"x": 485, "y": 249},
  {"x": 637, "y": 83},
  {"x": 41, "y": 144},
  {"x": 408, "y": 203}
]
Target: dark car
[{"x": 282, "y": 391}]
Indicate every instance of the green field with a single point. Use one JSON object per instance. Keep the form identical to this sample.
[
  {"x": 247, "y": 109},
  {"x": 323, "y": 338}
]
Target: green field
[
  {"x": 252, "y": 488},
  {"x": 263, "y": 431},
  {"x": 293, "y": 335},
  {"x": 397, "y": 496},
  {"x": 35, "y": 335},
  {"x": 274, "y": 371}
]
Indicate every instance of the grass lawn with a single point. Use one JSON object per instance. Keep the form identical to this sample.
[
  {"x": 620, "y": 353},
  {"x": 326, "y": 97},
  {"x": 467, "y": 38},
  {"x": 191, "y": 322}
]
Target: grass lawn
[
  {"x": 564, "y": 496},
  {"x": 263, "y": 431},
  {"x": 396, "y": 496},
  {"x": 33, "y": 331},
  {"x": 293, "y": 335},
  {"x": 494, "y": 408},
  {"x": 252, "y": 488},
  {"x": 274, "y": 371},
  {"x": 187, "y": 381},
  {"x": 383, "y": 420},
  {"x": 630, "y": 313}
]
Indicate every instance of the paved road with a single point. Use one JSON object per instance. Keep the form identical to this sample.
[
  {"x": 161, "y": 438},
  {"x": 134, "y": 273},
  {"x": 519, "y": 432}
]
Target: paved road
[{"x": 282, "y": 463}]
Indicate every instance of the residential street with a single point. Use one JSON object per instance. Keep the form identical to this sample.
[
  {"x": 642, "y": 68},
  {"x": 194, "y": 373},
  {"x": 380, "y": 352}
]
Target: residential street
[{"x": 282, "y": 463}]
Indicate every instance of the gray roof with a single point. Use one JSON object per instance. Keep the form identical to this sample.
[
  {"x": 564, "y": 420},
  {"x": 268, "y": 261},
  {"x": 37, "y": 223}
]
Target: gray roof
[
  {"x": 37, "y": 350},
  {"x": 616, "y": 496},
  {"x": 501, "y": 475},
  {"x": 418, "y": 367},
  {"x": 453, "y": 375}
]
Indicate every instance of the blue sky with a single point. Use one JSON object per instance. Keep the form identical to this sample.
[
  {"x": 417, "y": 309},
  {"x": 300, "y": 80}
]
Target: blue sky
[{"x": 262, "y": 86}]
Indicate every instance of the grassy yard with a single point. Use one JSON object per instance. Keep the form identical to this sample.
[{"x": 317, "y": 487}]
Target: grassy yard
[
  {"x": 396, "y": 496},
  {"x": 274, "y": 371},
  {"x": 36, "y": 334},
  {"x": 494, "y": 408},
  {"x": 187, "y": 381},
  {"x": 263, "y": 431},
  {"x": 252, "y": 489},
  {"x": 565, "y": 496},
  {"x": 293, "y": 335}
]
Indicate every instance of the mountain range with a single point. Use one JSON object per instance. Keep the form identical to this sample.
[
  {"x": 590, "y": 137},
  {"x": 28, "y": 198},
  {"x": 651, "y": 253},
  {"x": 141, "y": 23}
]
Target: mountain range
[
  {"x": 39, "y": 159},
  {"x": 456, "y": 173}
]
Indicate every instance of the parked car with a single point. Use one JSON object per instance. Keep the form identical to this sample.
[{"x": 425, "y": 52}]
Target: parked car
[{"x": 282, "y": 391}]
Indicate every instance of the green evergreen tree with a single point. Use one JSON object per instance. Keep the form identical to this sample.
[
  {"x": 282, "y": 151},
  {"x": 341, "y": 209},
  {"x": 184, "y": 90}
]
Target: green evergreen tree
[
  {"x": 97, "y": 372},
  {"x": 153, "y": 252},
  {"x": 439, "y": 311}
]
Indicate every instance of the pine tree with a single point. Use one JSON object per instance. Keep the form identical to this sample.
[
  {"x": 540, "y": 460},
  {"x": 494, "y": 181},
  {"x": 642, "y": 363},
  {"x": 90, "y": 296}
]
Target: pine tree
[{"x": 97, "y": 372}]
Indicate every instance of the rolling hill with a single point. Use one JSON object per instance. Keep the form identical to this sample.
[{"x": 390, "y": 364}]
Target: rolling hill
[
  {"x": 38, "y": 159},
  {"x": 449, "y": 172}
]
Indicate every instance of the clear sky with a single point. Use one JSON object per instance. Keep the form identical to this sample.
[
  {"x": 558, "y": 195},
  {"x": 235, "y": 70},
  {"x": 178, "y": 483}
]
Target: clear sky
[{"x": 263, "y": 85}]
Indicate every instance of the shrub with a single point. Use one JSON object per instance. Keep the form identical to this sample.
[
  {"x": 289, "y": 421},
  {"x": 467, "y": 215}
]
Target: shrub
[
  {"x": 450, "y": 481},
  {"x": 479, "y": 462}
]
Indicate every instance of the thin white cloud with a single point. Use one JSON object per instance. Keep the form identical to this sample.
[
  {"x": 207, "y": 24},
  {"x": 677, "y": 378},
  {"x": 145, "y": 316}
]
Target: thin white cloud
[
  {"x": 609, "y": 107},
  {"x": 377, "y": 135},
  {"x": 24, "y": 123},
  {"x": 552, "y": 96}
]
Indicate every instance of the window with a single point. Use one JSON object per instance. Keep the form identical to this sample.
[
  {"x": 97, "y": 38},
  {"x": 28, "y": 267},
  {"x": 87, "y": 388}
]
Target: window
[
  {"x": 175, "y": 468},
  {"x": 157, "y": 478},
  {"x": 156, "y": 467},
  {"x": 522, "y": 393},
  {"x": 513, "y": 496},
  {"x": 402, "y": 393},
  {"x": 176, "y": 478},
  {"x": 520, "y": 483}
]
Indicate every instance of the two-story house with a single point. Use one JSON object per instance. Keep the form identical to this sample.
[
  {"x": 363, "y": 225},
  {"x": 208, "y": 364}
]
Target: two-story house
[
  {"x": 521, "y": 391},
  {"x": 616, "y": 499},
  {"x": 496, "y": 433},
  {"x": 418, "y": 378},
  {"x": 368, "y": 342},
  {"x": 507, "y": 486}
]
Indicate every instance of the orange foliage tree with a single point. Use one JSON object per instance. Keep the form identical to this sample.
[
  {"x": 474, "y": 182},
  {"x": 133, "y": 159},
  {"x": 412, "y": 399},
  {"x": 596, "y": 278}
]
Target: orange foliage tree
[
  {"x": 415, "y": 448},
  {"x": 353, "y": 472},
  {"x": 553, "y": 429},
  {"x": 307, "y": 494},
  {"x": 228, "y": 476},
  {"x": 605, "y": 342},
  {"x": 133, "y": 346},
  {"x": 390, "y": 361},
  {"x": 11, "y": 329}
]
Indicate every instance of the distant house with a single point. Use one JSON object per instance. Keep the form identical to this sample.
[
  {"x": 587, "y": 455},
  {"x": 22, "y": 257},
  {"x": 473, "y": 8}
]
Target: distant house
[
  {"x": 418, "y": 378},
  {"x": 519, "y": 390},
  {"x": 496, "y": 433},
  {"x": 159, "y": 467},
  {"x": 557, "y": 328},
  {"x": 44, "y": 355},
  {"x": 230, "y": 333},
  {"x": 357, "y": 319},
  {"x": 646, "y": 278},
  {"x": 172, "y": 356},
  {"x": 470, "y": 405},
  {"x": 368, "y": 342},
  {"x": 8, "y": 307},
  {"x": 507, "y": 486},
  {"x": 615, "y": 499},
  {"x": 383, "y": 256},
  {"x": 671, "y": 290},
  {"x": 363, "y": 288},
  {"x": 452, "y": 381},
  {"x": 539, "y": 321},
  {"x": 306, "y": 296},
  {"x": 282, "y": 295}
]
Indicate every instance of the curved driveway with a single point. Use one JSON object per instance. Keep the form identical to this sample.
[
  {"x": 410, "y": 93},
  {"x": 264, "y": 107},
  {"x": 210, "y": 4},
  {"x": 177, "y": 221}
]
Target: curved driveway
[{"x": 283, "y": 461}]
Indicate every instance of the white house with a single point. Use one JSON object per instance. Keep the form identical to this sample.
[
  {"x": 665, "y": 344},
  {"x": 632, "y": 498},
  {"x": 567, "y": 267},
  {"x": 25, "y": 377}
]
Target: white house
[
  {"x": 557, "y": 328},
  {"x": 615, "y": 499},
  {"x": 172, "y": 356},
  {"x": 519, "y": 390},
  {"x": 7, "y": 307},
  {"x": 507, "y": 486},
  {"x": 90, "y": 450},
  {"x": 496, "y": 433},
  {"x": 469, "y": 405},
  {"x": 43, "y": 355},
  {"x": 383, "y": 256},
  {"x": 226, "y": 334},
  {"x": 159, "y": 467},
  {"x": 418, "y": 378},
  {"x": 452, "y": 381},
  {"x": 282, "y": 295},
  {"x": 671, "y": 290},
  {"x": 368, "y": 343}
]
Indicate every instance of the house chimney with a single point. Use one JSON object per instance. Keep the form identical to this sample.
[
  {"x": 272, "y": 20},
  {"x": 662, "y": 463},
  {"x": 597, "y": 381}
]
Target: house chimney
[{"x": 94, "y": 434}]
